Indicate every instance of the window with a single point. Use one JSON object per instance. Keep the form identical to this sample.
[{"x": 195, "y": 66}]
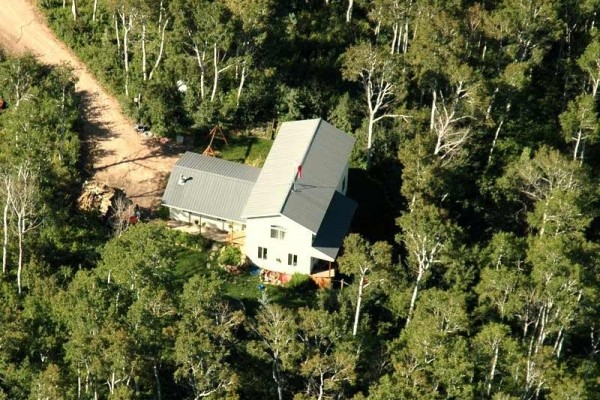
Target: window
[
  {"x": 262, "y": 253},
  {"x": 292, "y": 260},
  {"x": 277, "y": 232},
  {"x": 344, "y": 184}
]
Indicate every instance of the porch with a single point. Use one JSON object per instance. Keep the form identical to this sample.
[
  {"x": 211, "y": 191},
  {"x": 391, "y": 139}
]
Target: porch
[{"x": 236, "y": 237}]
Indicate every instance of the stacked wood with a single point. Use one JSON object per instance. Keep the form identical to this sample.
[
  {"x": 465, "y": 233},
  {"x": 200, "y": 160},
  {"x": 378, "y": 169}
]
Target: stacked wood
[{"x": 99, "y": 197}]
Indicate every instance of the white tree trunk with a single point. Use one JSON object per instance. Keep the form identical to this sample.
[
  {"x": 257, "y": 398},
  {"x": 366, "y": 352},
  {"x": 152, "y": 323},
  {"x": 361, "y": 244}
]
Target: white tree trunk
[
  {"x": 370, "y": 138},
  {"x": 394, "y": 38},
  {"x": 74, "y": 9},
  {"x": 216, "y": 77},
  {"x": 94, "y": 10},
  {"x": 433, "y": 111},
  {"x": 117, "y": 33},
  {"x": 200, "y": 60},
  {"x": 358, "y": 301},
  {"x": 8, "y": 188},
  {"x": 126, "y": 28},
  {"x": 413, "y": 299},
  {"x": 578, "y": 140},
  {"x": 20, "y": 229},
  {"x": 493, "y": 368},
  {"x": 144, "y": 73},
  {"x": 217, "y": 72},
  {"x": 241, "y": 86},
  {"x": 160, "y": 51},
  {"x": 349, "y": 10},
  {"x": 5, "y": 226},
  {"x": 405, "y": 37}
]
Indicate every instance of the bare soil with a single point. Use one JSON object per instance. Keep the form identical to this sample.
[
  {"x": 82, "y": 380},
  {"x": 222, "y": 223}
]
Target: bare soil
[{"x": 120, "y": 156}]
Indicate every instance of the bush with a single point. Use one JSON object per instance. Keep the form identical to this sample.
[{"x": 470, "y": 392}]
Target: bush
[
  {"x": 230, "y": 255},
  {"x": 190, "y": 241},
  {"x": 163, "y": 213},
  {"x": 300, "y": 282}
]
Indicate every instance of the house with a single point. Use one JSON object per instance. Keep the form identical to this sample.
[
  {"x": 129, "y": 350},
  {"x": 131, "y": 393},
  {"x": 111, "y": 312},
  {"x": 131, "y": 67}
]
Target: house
[{"x": 294, "y": 210}]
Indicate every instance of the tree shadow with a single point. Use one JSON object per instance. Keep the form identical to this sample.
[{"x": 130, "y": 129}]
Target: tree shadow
[
  {"x": 375, "y": 216},
  {"x": 92, "y": 132}
]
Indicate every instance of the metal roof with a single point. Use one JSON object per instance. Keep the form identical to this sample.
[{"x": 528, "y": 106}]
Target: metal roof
[
  {"x": 273, "y": 185},
  {"x": 322, "y": 150},
  {"x": 335, "y": 225},
  {"x": 213, "y": 187}
]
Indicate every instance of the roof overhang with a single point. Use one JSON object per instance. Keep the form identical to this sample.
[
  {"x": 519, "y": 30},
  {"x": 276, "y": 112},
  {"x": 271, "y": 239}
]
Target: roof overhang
[{"x": 203, "y": 214}]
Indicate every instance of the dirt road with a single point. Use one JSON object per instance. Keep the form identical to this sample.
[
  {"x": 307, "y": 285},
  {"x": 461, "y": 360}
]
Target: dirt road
[{"x": 121, "y": 157}]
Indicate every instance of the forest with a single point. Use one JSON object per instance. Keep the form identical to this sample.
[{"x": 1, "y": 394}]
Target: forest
[{"x": 473, "y": 266}]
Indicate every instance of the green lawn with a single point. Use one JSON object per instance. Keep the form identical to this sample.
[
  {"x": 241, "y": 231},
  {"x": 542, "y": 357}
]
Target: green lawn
[
  {"x": 249, "y": 150},
  {"x": 243, "y": 287},
  {"x": 192, "y": 262}
]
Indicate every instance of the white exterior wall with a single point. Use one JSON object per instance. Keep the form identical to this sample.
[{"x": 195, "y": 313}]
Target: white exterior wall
[
  {"x": 298, "y": 241},
  {"x": 179, "y": 215}
]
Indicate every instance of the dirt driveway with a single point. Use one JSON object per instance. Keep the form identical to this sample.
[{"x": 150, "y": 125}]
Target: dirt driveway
[{"x": 121, "y": 157}]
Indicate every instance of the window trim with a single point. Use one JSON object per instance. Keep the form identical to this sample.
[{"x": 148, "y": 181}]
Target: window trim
[
  {"x": 262, "y": 253},
  {"x": 292, "y": 260},
  {"x": 278, "y": 232}
]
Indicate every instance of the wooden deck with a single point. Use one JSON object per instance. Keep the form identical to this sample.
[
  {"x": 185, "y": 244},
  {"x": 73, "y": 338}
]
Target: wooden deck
[{"x": 236, "y": 237}]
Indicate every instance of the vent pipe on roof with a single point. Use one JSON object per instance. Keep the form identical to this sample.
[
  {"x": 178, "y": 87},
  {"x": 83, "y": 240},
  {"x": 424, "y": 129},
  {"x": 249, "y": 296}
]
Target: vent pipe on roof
[
  {"x": 183, "y": 179},
  {"x": 297, "y": 176}
]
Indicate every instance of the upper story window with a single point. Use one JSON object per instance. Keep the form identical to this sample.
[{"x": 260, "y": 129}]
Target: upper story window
[
  {"x": 344, "y": 184},
  {"x": 277, "y": 232}
]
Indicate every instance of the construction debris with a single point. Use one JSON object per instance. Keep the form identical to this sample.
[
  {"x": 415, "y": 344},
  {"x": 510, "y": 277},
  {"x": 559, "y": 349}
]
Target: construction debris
[{"x": 100, "y": 197}]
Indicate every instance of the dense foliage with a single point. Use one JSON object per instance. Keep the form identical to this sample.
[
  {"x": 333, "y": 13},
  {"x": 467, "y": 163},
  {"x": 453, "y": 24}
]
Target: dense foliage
[{"x": 478, "y": 123}]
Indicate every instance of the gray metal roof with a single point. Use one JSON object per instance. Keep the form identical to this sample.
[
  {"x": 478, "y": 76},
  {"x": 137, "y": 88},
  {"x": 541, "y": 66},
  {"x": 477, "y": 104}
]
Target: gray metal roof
[
  {"x": 323, "y": 152},
  {"x": 274, "y": 183},
  {"x": 335, "y": 225},
  {"x": 214, "y": 187}
]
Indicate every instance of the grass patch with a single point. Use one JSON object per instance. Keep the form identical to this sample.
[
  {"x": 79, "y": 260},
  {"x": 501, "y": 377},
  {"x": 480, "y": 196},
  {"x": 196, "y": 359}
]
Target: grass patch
[
  {"x": 190, "y": 262},
  {"x": 249, "y": 150},
  {"x": 300, "y": 292}
]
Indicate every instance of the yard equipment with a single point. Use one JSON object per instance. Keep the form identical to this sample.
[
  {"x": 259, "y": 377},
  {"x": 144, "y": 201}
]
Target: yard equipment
[{"x": 215, "y": 132}]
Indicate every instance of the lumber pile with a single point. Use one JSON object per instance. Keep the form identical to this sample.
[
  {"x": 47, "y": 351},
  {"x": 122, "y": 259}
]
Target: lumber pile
[{"x": 100, "y": 197}]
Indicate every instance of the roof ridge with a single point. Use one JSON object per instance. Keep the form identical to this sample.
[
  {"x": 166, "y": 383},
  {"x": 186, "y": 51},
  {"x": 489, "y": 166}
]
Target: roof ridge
[{"x": 291, "y": 185}]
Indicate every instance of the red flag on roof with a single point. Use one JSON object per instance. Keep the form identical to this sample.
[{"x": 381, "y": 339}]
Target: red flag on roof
[{"x": 299, "y": 173}]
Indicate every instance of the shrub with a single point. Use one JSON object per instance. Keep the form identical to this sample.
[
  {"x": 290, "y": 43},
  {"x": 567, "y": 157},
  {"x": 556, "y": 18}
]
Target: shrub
[
  {"x": 230, "y": 255},
  {"x": 163, "y": 213},
  {"x": 300, "y": 282}
]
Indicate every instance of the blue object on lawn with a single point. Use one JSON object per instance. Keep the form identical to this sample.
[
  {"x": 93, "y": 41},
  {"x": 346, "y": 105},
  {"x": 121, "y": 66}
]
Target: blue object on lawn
[
  {"x": 254, "y": 270},
  {"x": 261, "y": 287}
]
